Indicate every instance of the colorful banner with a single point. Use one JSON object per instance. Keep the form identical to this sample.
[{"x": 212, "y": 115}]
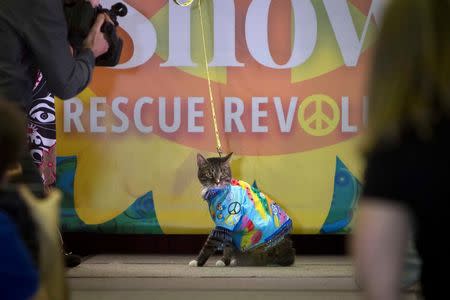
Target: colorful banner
[{"x": 288, "y": 83}]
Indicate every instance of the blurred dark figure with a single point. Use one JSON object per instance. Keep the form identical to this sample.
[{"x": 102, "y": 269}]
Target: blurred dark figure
[
  {"x": 407, "y": 151},
  {"x": 36, "y": 63},
  {"x": 18, "y": 239},
  {"x": 31, "y": 265}
]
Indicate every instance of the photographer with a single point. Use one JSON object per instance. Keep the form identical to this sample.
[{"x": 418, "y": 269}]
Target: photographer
[
  {"x": 41, "y": 110},
  {"x": 33, "y": 36}
]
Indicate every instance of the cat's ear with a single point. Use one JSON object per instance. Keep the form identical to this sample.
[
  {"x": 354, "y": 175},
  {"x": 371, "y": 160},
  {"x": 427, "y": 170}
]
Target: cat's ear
[
  {"x": 201, "y": 161},
  {"x": 227, "y": 158}
]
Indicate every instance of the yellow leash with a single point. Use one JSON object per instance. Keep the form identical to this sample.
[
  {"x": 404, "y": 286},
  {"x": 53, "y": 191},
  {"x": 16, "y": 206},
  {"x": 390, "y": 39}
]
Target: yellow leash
[{"x": 211, "y": 97}]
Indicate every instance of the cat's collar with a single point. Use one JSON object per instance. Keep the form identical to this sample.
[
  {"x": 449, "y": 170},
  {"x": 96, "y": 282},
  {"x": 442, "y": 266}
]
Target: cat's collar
[{"x": 211, "y": 192}]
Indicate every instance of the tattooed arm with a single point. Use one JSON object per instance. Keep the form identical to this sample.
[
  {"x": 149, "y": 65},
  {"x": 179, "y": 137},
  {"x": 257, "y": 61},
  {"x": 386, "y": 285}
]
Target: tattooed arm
[{"x": 218, "y": 237}]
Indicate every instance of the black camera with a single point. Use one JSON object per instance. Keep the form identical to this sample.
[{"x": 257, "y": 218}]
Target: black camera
[{"x": 81, "y": 16}]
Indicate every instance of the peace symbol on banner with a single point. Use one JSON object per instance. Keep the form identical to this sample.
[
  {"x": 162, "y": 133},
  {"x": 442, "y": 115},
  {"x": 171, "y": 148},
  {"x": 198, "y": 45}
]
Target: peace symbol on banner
[
  {"x": 234, "y": 208},
  {"x": 184, "y": 2},
  {"x": 323, "y": 124}
]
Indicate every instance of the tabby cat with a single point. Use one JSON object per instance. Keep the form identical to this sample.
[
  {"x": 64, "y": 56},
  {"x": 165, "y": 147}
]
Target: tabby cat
[{"x": 250, "y": 227}]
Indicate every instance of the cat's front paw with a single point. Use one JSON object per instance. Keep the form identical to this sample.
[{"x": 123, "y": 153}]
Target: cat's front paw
[
  {"x": 193, "y": 263},
  {"x": 220, "y": 263},
  {"x": 233, "y": 262}
]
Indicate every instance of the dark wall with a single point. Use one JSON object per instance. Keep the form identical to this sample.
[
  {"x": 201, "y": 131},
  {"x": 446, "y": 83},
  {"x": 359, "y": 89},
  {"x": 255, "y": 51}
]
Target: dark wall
[{"x": 93, "y": 243}]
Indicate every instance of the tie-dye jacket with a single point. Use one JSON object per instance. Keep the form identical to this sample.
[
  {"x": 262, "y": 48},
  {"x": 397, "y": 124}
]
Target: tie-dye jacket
[{"x": 253, "y": 218}]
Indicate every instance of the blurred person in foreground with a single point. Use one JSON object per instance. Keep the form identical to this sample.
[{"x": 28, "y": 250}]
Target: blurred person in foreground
[
  {"x": 36, "y": 64},
  {"x": 407, "y": 151},
  {"x": 31, "y": 265},
  {"x": 19, "y": 277}
]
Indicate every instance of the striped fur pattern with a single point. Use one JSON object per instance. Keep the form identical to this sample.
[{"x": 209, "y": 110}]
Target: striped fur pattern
[
  {"x": 214, "y": 172},
  {"x": 217, "y": 239}
]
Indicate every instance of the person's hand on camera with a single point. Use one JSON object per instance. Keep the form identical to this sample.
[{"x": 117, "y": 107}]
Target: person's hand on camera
[
  {"x": 108, "y": 18},
  {"x": 96, "y": 40}
]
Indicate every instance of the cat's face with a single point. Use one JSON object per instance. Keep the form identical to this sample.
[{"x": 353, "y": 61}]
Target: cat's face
[{"x": 214, "y": 171}]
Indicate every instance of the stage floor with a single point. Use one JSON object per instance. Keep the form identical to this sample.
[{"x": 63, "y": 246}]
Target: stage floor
[{"x": 130, "y": 277}]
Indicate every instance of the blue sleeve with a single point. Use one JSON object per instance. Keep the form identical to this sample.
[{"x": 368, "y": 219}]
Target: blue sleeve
[{"x": 19, "y": 277}]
